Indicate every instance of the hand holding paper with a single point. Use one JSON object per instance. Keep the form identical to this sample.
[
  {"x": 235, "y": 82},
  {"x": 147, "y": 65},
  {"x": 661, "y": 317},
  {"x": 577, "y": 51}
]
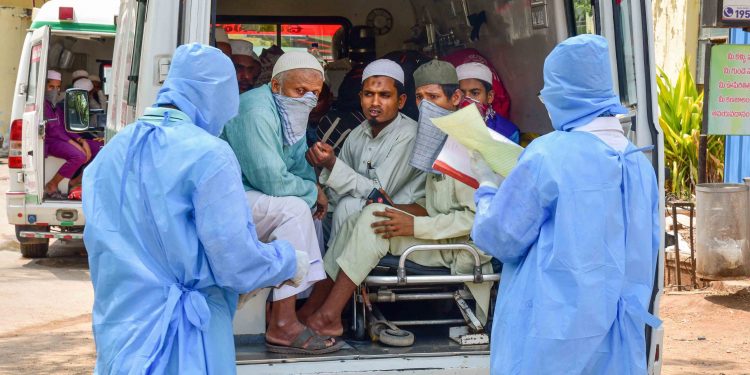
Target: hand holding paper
[
  {"x": 468, "y": 128},
  {"x": 485, "y": 175}
]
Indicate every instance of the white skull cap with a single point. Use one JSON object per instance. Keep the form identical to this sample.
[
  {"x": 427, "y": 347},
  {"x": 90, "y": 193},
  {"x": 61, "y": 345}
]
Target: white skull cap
[
  {"x": 54, "y": 74},
  {"x": 384, "y": 67},
  {"x": 80, "y": 74},
  {"x": 84, "y": 83},
  {"x": 243, "y": 48},
  {"x": 296, "y": 60},
  {"x": 474, "y": 70}
]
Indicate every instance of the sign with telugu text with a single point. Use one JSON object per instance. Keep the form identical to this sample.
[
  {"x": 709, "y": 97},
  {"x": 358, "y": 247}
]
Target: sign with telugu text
[
  {"x": 729, "y": 90},
  {"x": 735, "y": 10}
]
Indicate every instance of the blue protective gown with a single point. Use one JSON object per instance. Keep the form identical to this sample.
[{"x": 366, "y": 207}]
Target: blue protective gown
[
  {"x": 577, "y": 226},
  {"x": 169, "y": 234}
]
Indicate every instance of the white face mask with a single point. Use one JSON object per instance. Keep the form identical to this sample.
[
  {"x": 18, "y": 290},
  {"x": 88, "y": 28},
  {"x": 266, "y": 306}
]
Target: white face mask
[
  {"x": 52, "y": 96},
  {"x": 430, "y": 139},
  {"x": 294, "y": 113}
]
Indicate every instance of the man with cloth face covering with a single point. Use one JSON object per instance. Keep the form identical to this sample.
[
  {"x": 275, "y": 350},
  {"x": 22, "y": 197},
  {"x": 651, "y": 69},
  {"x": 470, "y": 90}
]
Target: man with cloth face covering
[
  {"x": 171, "y": 242},
  {"x": 268, "y": 137},
  {"x": 379, "y": 229},
  {"x": 576, "y": 225}
]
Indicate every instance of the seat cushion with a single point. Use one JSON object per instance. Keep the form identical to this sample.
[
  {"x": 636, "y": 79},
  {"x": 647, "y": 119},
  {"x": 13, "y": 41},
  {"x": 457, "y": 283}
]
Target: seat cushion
[{"x": 389, "y": 264}]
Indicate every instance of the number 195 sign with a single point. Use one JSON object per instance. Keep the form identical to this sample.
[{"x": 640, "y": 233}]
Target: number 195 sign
[{"x": 735, "y": 10}]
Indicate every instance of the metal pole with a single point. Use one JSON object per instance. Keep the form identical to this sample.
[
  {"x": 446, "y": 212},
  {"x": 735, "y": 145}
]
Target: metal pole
[
  {"x": 676, "y": 246},
  {"x": 703, "y": 141},
  {"x": 692, "y": 247}
]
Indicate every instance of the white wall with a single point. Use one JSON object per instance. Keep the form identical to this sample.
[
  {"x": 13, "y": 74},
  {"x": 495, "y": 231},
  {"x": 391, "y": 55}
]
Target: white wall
[{"x": 676, "y": 27}]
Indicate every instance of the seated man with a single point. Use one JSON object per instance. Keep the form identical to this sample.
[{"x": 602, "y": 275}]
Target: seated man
[
  {"x": 380, "y": 230},
  {"x": 475, "y": 80},
  {"x": 58, "y": 142},
  {"x": 268, "y": 137},
  {"x": 246, "y": 63},
  {"x": 376, "y": 154}
]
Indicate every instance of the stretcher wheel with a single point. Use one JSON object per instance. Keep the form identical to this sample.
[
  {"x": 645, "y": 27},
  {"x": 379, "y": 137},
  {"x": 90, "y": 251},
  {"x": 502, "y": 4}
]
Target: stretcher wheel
[
  {"x": 396, "y": 337},
  {"x": 360, "y": 328}
]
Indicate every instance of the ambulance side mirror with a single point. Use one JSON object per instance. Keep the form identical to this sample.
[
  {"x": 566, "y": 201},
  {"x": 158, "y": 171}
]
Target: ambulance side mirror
[{"x": 77, "y": 116}]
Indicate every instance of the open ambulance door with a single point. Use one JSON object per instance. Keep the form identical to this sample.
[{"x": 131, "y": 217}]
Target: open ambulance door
[
  {"x": 631, "y": 32},
  {"x": 32, "y": 144}
]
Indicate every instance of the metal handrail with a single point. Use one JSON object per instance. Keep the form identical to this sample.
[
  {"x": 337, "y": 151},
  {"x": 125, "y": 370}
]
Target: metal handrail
[{"x": 401, "y": 271}]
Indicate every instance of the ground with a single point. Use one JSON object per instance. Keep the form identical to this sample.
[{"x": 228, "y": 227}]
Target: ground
[{"x": 46, "y": 316}]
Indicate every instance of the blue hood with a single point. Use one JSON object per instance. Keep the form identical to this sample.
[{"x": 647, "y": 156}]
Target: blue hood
[
  {"x": 578, "y": 82},
  {"x": 202, "y": 83}
]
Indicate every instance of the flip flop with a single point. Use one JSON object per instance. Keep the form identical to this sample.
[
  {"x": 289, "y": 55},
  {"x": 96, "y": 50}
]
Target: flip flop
[{"x": 316, "y": 344}]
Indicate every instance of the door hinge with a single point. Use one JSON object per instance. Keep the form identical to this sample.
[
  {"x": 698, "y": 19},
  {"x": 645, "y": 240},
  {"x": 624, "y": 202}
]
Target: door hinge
[{"x": 41, "y": 128}]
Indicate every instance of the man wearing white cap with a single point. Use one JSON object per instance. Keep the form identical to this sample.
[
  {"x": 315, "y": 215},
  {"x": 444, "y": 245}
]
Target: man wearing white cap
[
  {"x": 222, "y": 41},
  {"x": 268, "y": 138},
  {"x": 97, "y": 99},
  {"x": 246, "y": 63},
  {"x": 78, "y": 74},
  {"x": 57, "y": 141},
  {"x": 375, "y": 156},
  {"x": 475, "y": 80}
]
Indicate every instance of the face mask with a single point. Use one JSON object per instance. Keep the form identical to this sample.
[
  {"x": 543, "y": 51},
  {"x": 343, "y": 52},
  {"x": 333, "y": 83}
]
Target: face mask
[
  {"x": 484, "y": 109},
  {"x": 294, "y": 113},
  {"x": 430, "y": 139},
  {"x": 52, "y": 96}
]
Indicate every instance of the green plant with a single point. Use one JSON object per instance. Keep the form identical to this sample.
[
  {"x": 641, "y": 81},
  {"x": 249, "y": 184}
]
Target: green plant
[{"x": 681, "y": 114}]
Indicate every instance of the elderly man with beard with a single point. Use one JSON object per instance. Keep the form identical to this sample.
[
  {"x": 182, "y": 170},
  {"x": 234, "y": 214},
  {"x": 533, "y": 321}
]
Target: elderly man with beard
[{"x": 268, "y": 137}]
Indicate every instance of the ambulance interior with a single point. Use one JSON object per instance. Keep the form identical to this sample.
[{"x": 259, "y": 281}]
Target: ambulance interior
[
  {"x": 513, "y": 36},
  {"x": 68, "y": 53}
]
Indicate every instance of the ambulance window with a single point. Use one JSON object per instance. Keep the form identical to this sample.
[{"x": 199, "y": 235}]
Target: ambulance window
[
  {"x": 36, "y": 54},
  {"x": 625, "y": 51},
  {"x": 290, "y": 33},
  {"x": 583, "y": 17}
]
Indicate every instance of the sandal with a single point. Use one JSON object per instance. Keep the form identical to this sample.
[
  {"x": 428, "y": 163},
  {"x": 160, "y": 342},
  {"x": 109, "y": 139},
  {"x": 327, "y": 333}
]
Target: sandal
[{"x": 307, "y": 343}]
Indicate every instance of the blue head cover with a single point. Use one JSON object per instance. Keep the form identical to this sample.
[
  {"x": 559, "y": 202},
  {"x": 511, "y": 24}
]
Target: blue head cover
[
  {"x": 578, "y": 82},
  {"x": 202, "y": 83}
]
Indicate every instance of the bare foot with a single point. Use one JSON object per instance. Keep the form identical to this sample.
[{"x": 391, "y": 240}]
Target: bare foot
[{"x": 325, "y": 325}]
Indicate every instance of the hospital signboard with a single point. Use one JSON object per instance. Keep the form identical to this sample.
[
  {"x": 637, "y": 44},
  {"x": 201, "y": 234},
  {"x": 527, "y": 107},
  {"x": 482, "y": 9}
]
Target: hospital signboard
[
  {"x": 728, "y": 90},
  {"x": 735, "y": 10}
]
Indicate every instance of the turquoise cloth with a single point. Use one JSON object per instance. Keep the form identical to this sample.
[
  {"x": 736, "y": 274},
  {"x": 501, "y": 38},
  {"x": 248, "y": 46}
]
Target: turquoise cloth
[{"x": 268, "y": 165}]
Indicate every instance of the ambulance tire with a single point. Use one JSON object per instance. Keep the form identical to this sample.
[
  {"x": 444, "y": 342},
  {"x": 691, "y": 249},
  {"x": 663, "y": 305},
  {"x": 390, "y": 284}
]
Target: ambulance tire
[
  {"x": 396, "y": 337},
  {"x": 34, "y": 250}
]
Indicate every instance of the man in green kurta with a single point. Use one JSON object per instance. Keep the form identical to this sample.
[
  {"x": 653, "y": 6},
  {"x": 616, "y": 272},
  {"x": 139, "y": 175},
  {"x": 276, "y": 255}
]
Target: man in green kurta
[{"x": 379, "y": 230}]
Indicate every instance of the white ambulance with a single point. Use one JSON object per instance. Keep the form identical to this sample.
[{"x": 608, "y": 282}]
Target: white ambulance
[
  {"x": 65, "y": 36},
  {"x": 514, "y": 36}
]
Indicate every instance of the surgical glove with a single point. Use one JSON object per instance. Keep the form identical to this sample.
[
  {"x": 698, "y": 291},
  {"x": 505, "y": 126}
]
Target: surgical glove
[
  {"x": 482, "y": 171},
  {"x": 303, "y": 265}
]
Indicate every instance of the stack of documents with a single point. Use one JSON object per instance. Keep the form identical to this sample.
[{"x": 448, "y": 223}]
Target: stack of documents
[{"x": 467, "y": 131}]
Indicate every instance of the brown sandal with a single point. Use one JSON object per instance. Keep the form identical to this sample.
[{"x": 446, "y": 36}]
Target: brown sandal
[{"x": 307, "y": 343}]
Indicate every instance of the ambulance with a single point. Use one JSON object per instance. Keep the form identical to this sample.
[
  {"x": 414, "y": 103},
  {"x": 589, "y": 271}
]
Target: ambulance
[
  {"x": 402, "y": 319},
  {"x": 65, "y": 36}
]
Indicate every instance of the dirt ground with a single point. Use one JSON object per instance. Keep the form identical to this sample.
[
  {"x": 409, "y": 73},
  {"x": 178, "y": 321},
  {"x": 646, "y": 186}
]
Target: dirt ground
[{"x": 706, "y": 333}]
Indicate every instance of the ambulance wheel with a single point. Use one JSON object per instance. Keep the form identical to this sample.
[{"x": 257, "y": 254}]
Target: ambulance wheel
[
  {"x": 34, "y": 250},
  {"x": 396, "y": 337},
  {"x": 32, "y": 247}
]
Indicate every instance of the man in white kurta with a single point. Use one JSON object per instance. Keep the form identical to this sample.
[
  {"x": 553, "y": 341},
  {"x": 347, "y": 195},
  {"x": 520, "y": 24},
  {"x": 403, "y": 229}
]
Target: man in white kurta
[{"x": 376, "y": 153}]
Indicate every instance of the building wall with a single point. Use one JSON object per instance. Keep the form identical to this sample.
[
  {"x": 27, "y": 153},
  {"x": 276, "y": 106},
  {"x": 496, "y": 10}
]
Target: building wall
[
  {"x": 14, "y": 22},
  {"x": 676, "y": 30}
]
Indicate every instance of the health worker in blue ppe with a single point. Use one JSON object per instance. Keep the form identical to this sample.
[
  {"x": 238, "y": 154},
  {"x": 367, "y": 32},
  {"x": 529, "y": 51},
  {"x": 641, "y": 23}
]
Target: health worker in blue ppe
[
  {"x": 171, "y": 241},
  {"x": 577, "y": 226}
]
